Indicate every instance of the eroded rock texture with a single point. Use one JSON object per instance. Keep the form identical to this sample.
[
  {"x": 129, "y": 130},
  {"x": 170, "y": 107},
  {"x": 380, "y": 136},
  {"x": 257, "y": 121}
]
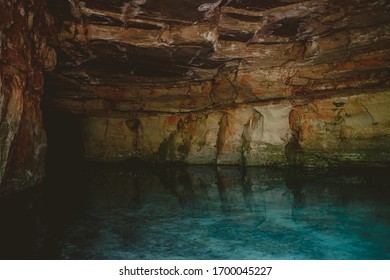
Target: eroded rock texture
[
  {"x": 24, "y": 53},
  {"x": 241, "y": 81},
  {"x": 227, "y": 82}
]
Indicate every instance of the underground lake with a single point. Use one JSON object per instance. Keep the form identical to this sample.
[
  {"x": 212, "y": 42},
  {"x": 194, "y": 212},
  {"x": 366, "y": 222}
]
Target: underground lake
[
  {"x": 144, "y": 211},
  {"x": 202, "y": 129}
]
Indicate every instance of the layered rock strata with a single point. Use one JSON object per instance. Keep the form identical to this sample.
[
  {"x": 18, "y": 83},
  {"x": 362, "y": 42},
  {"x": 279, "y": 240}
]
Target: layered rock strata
[
  {"x": 24, "y": 54},
  {"x": 230, "y": 82}
]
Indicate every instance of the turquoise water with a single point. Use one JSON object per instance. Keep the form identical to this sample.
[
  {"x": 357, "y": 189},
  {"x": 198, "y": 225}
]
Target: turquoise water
[
  {"x": 208, "y": 212},
  {"x": 204, "y": 212}
]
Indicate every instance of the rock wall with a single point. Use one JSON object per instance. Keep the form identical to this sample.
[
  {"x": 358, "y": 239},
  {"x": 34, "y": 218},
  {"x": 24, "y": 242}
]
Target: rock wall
[
  {"x": 252, "y": 136},
  {"x": 24, "y": 54},
  {"x": 349, "y": 129},
  {"x": 242, "y": 82},
  {"x": 353, "y": 129}
]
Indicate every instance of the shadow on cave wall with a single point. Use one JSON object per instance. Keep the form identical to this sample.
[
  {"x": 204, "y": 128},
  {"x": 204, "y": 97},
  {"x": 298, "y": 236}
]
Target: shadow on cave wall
[
  {"x": 65, "y": 187},
  {"x": 34, "y": 220},
  {"x": 65, "y": 153}
]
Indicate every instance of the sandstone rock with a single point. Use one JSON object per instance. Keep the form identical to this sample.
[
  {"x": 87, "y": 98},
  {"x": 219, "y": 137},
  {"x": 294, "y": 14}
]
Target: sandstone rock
[
  {"x": 343, "y": 129},
  {"x": 252, "y": 136},
  {"x": 244, "y": 82},
  {"x": 24, "y": 54},
  {"x": 250, "y": 83},
  {"x": 109, "y": 139}
]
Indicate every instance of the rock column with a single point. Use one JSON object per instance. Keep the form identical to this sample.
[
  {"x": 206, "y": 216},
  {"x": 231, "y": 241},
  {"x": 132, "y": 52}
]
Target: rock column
[{"x": 24, "y": 54}]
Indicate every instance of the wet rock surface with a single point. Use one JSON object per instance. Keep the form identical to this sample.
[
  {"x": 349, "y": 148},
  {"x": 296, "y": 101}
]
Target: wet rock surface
[
  {"x": 24, "y": 55},
  {"x": 229, "y": 82},
  {"x": 225, "y": 82}
]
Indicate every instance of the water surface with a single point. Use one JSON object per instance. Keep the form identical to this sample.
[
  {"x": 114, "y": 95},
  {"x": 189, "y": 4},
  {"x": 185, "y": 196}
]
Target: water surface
[
  {"x": 208, "y": 212},
  {"x": 205, "y": 212}
]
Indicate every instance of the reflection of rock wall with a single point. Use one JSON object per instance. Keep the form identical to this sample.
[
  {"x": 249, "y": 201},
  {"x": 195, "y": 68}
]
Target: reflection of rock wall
[
  {"x": 24, "y": 54},
  {"x": 249, "y": 191},
  {"x": 320, "y": 132}
]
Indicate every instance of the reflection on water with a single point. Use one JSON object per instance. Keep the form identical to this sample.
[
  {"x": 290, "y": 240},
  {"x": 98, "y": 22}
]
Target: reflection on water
[
  {"x": 204, "y": 212},
  {"x": 208, "y": 212}
]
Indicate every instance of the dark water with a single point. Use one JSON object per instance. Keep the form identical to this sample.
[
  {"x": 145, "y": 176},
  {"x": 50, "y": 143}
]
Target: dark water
[{"x": 202, "y": 212}]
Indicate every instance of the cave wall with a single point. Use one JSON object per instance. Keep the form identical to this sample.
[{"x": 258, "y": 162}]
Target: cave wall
[
  {"x": 352, "y": 129},
  {"x": 252, "y": 136},
  {"x": 243, "y": 82},
  {"x": 24, "y": 54}
]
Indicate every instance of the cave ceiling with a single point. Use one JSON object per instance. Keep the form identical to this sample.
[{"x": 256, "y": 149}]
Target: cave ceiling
[{"x": 191, "y": 55}]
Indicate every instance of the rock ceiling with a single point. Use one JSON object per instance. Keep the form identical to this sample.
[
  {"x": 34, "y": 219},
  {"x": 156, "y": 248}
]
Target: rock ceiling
[
  {"x": 191, "y": 55},
  {"x": 253, "y": 82}
]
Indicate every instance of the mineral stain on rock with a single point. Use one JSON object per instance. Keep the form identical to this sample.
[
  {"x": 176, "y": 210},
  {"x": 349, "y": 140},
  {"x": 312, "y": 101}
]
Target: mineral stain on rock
[
  {"x": 241, "y": 116},
  {"x": 198, "y": 82}
]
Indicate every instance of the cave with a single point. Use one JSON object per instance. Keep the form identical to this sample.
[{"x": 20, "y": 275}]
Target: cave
[{"x": 194, "y": 129}]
